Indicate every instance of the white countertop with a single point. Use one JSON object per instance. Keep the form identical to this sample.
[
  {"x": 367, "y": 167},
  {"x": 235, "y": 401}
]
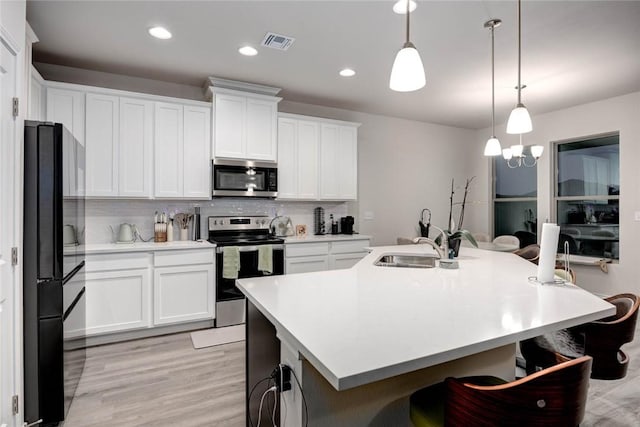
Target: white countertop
[
  {"x": 369, "y": 323},
  {"x": 312, "y": 238},
  {"x": 104, "y": 248}
]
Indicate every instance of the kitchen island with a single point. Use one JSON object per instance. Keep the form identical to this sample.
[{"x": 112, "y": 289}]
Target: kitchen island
[{"x": 362, "y": 340}]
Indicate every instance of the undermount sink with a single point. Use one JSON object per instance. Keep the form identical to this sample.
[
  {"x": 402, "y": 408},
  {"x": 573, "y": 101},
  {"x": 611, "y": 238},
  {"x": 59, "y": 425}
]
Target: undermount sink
[{"x": 406, "y": 261}]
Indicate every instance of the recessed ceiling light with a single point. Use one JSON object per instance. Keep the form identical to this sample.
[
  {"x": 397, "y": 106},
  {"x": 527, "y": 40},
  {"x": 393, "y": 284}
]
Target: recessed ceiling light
[
  {"x": 347, "y": 72},
  {"x": 248, "y": 51},
  {"x": 401, "y": 6},
  {"x": 160, "y": 33}
]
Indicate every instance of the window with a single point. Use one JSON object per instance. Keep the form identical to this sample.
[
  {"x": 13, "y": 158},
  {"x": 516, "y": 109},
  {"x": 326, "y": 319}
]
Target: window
[
  {"x": 587, "y": 195},
  {"x": 515, "y": 200}
]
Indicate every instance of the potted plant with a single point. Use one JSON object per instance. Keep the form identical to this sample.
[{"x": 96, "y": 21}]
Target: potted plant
[{"x": 455, "y": 235}]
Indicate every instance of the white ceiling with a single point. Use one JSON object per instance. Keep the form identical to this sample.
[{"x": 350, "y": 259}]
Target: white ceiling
[{"x": 573, "y": 51}]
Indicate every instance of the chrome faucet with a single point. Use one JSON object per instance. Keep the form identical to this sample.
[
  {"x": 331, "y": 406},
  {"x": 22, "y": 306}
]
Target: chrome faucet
[{"x": 442, "y": 249}]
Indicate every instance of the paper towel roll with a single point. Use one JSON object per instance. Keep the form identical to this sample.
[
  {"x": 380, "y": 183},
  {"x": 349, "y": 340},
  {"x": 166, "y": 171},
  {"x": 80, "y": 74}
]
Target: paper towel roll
[{"x": 548, "y": 250}]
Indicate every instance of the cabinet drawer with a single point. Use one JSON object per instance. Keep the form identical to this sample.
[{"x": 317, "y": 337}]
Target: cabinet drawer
[
  {"x": 349, "y": 246},
  {"x": 183, "y": 257},
  {"x": 118, "y": 261},
  {"x": 306, "y": 249}
]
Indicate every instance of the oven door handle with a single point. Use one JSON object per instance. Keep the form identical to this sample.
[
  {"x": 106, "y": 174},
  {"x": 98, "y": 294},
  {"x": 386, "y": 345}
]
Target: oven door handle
[{"x": 220, "y": 249}]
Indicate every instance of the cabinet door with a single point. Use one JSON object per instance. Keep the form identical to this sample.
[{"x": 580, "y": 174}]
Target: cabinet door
[
  {"x": 36, "y": 101},
  {"x": 135, "y": 158},
  {"x": 229, "y": 126},
  {"x": 261, "y": 131},
  {"x": 347, "y": 160},
  {"x": 67, "y": 107},
  {"x": 197, "y": 155},
  {"x": 307, "y": 159},
  {"x": 342, "y": 261},
  {"x": 329, "y": 173},
  {"x": 117, "y": 301},
  {"x": 102, "y": 133},
  {"x": 287, "y": 159},
  {"x": 306, "y": 264},
  {"x": 183, "y": 293},
  {"x": 169, "y": 150}
]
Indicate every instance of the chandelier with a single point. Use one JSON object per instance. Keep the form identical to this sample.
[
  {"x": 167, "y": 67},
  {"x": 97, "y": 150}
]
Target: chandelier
[{"x": 516, "y": 157}]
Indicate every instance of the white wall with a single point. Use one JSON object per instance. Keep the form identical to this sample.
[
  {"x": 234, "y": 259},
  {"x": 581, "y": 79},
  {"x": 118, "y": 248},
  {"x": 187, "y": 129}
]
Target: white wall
[
  {"x": 403, "y": 167},
  {"x": 615, "y": 114}
]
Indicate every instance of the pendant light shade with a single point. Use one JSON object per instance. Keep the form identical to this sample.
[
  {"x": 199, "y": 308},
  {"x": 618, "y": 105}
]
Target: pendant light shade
[
  {"x": 407, "y": 73},
  {"x": 536, "y": 151},
  {"x": 492, "y": 148},
  {"x": 519, "y": 120}
]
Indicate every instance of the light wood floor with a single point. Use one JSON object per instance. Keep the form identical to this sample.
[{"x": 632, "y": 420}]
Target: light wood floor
[
  {"x": 160, "y": 381},
  {"x": 163, "y": 381}
]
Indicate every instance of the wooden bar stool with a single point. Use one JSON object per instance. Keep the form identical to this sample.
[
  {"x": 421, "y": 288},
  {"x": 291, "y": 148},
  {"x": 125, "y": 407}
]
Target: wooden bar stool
[
  {"x": 556, "y": 396},
  {"x": 601, "y": 340}
]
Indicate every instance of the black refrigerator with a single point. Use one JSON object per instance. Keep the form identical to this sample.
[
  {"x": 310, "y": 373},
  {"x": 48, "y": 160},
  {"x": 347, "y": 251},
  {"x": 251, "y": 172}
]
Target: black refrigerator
[{"x": 53, "y": 277}]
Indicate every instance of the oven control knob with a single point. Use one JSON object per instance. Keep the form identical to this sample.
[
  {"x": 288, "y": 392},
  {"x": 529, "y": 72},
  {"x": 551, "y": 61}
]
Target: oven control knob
[{"x": 221, "y": 222}]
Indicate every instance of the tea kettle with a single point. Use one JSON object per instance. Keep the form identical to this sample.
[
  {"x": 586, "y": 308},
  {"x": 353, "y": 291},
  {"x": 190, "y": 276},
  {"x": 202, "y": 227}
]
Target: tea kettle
[{"x": 126, "y": 233}]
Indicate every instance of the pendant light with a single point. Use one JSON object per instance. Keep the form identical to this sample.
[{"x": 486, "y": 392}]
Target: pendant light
[
  {"x": 407, "y": 73},
  {"x": 519, "y": 120},
  {"x": 492, "y": 148}
]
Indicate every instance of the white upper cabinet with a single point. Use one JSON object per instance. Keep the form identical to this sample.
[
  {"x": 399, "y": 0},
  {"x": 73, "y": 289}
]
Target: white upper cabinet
[
  {"x": 101, "y": 145},
  {"x": 182, "y": 156},
  {"x": 317, "y": 158},
  {"x": 169, "y": 151},
  {"x": 262, "y": 137},
  {"x": 338, "y": 162},
  {"x": 298, "y": 158},
  {"x": 197, "y": 152},
  {"x": 135, "y": 157},
  {"x": 67, "y": 107},
  {"x": 245, "y": 125}
]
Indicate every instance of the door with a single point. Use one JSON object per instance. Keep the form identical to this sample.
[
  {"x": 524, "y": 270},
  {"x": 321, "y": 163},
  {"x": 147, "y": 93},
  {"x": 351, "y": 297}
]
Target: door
[
  {"x": 102, "y": 134},
  {"x": 135, "y": 154},
  {"x": 307, "y": 158},
  {"x": 262, "y": 143},
  {"x": 169, "y": 150},
  {"x": 68, "y": 107},
  {"x": 347, "y": 160},
  {"x": 183, "y": 293},
  {"x": 197, "y": 156},
  {"x": 117, "y": 301},
  {"x": 10, "y": 329},
  {"x": 329, "y": 173},
  {"x": 229, "y": 126},
  {"x": 287, "y": 159}
]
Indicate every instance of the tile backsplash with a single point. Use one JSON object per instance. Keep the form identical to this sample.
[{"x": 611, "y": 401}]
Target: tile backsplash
[{"x": 102, "y": 214}]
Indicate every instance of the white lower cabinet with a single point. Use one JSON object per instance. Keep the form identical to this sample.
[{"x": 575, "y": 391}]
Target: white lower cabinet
[
  {"x": 342, "y": 261},
  {"x": 306, "y": 264},
  {"x": 117, "y": 301},
  {"x": 322, "y": 256},
  {"x": 183, "y": 293},
  {"x": 137, "y": 290}
]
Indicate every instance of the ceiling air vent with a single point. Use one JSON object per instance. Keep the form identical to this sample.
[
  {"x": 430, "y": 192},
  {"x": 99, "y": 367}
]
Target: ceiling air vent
[{"x": 277, "y": 41}]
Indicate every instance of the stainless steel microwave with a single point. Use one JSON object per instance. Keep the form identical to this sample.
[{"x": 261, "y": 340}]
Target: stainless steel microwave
[{"x": 244, "y": 178}]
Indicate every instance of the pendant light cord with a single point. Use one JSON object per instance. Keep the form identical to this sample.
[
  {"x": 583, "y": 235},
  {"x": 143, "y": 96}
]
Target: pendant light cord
[
  {"x": 408, "y": 3},
  {"x": 519, "y": 54},
  {"x": 493, "y": 85}
]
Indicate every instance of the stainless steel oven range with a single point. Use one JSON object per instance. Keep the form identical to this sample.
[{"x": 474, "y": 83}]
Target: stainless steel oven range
[{"x": 248, "y": 234}]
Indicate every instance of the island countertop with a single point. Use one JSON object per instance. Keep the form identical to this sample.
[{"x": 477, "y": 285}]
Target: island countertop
[{"x": 369, "y": 323}]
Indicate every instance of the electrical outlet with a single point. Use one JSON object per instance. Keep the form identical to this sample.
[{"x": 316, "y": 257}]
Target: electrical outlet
[
  {"x": 282, "y": 377},
  {"x": 637, "y": 216}
]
